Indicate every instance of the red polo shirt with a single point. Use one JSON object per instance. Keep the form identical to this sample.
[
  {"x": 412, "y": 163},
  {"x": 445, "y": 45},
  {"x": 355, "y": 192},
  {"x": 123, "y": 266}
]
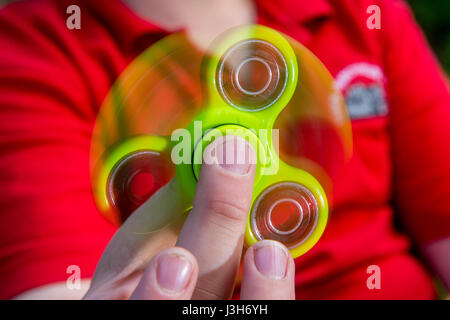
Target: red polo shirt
[{"x": 53, "y": 81}]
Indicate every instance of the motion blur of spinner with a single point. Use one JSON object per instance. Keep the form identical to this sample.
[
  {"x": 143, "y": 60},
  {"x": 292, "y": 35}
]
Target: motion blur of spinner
[{"x": 252, "y": 79}]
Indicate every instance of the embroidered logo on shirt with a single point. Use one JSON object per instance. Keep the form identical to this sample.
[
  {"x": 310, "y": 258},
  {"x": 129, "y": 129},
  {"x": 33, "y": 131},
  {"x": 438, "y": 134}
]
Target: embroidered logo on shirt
[{"x": 362, "y": 85}]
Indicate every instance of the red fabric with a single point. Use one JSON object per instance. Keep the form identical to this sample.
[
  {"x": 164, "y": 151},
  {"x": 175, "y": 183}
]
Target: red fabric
[{"x": 53, "y": 80}]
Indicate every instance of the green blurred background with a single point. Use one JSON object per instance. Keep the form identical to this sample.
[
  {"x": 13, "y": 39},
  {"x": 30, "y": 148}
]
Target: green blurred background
[{"x": 433, "y": 16}]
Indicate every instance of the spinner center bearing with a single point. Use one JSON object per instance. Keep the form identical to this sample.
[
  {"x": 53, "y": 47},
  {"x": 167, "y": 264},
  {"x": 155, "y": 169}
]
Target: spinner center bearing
[{"x": 252, "y": 75}]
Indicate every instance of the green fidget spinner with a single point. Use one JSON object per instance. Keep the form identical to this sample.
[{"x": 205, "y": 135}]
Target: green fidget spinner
[{"x": 248, "y": 78}]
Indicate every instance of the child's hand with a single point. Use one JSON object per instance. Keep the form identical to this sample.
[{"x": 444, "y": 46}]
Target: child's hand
[{"x": 205, "y": 261}]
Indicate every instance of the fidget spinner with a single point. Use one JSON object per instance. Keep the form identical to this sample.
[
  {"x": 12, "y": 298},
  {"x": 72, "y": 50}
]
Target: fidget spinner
[{"x": 253, "y": 82}]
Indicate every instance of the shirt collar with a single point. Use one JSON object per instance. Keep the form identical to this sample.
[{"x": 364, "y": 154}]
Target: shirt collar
[
  {"x": 132, "y": 29},
  {"x": 294, "y": 17},
  {"x": 300, "y": 11}
]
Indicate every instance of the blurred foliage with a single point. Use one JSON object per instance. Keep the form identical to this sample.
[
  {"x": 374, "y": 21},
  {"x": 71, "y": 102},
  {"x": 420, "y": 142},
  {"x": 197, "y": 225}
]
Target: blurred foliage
[{"x": 434, "y": 18}]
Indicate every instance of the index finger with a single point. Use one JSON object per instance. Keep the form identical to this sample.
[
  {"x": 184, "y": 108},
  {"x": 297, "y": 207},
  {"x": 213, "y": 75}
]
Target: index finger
[{"x": 214, "y": 230}]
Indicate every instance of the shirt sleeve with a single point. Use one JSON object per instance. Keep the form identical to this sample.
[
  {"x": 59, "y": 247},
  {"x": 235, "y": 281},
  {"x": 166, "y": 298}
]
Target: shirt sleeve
[
  {"x": 419, "y": 99},
  {"x": 48, "y": 219}
]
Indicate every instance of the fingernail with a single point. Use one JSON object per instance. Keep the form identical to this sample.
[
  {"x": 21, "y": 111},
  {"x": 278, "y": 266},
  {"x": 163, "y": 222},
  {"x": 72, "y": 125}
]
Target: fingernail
[
  {"x": 234, "y": 154},
  {"x": 271, "y": 260},
  {"x": 173, "y": 272}
]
